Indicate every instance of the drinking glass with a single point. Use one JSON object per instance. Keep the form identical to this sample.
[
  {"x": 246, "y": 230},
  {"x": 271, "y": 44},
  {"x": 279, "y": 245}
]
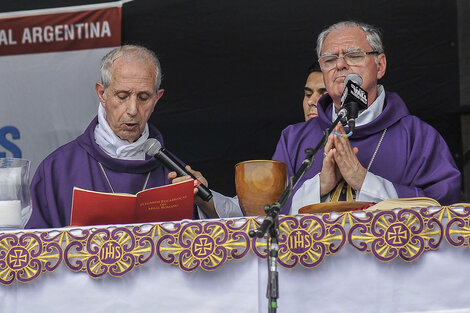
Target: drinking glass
[{"x": 15, "y": 199}]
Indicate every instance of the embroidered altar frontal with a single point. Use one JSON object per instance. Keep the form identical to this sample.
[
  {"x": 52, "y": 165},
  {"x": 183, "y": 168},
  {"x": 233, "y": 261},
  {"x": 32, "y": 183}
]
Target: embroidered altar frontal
[{"x": 304, "y": 240}]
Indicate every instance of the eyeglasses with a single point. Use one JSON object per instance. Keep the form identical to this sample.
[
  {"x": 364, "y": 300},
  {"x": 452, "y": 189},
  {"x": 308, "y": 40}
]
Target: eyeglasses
[{"x": 353, "y": 58}]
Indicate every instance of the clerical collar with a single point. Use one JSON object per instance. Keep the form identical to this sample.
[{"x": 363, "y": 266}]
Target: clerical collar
[
  {"x": 115, "y": 146},
  {"x": 369, "y": 114}
]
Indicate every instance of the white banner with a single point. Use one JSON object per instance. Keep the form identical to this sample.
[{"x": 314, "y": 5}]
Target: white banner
[{"x": 49, "y": 61}]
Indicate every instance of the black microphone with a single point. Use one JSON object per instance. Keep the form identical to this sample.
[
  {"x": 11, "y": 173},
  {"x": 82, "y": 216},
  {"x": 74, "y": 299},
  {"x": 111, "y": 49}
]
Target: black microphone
[
  {"x": 153, "y": 148},
  {"x": 353, "y": 99}
]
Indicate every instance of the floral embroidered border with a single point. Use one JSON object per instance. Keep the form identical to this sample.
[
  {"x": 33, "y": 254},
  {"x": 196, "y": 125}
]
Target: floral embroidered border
[{"x": 304, "y": 240}]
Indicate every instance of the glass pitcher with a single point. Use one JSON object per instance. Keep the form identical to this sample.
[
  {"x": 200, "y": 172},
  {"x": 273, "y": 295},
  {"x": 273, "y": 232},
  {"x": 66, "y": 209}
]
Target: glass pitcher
[{"x": 15, "y": 198}]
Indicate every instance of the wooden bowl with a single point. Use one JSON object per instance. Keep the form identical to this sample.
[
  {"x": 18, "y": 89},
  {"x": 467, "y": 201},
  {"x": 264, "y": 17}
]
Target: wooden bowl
[{"x": 259, "y": 182}]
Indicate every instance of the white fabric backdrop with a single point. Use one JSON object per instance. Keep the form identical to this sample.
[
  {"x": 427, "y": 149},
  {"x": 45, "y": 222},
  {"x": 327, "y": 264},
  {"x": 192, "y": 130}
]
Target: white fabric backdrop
[{"x": 48, "y": 98}]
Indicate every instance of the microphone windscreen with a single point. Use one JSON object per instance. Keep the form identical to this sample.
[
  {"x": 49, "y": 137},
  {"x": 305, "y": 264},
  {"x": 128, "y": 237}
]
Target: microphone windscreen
[
  {"x": 152, "y": 146},
  {"x": 354, "y": 77}
]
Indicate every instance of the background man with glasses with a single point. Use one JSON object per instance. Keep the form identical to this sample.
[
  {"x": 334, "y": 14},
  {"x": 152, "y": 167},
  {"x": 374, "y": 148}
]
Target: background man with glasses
[{"x": 391, "y": 153}]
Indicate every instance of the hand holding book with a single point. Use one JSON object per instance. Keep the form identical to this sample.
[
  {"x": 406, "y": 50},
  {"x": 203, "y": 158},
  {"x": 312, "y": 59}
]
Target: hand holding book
[{"x": 166, "y": 203}]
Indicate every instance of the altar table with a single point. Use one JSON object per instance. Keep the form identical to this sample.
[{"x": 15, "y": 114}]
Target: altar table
[{"x": 390, "y": 261}]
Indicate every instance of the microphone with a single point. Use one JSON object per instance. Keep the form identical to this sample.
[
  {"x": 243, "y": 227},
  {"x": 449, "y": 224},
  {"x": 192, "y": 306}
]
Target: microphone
[
  {"x": 353, "y": 99},
  {"x": 153, "y": 148}
]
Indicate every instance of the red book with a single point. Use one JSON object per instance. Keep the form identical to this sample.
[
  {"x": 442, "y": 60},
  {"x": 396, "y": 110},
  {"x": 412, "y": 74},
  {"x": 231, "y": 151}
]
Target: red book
[{"x": 172, "y": 202}]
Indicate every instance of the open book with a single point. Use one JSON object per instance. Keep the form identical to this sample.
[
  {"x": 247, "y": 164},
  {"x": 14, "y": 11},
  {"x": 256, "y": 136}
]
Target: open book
[
  {"x": 388, "y": 204},
  {"x": 172, "y": 202},
  {"x": 404, "y": 203}
]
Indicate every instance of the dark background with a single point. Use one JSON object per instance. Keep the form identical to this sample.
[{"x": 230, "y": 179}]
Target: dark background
[{"x": 234, "y": 71}]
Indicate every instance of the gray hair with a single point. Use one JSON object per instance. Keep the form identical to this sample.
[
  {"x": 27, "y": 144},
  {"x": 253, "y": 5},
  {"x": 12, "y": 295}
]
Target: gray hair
[
  {"x": 373, "y": 35},
  {"x": 133, "y": 51}
]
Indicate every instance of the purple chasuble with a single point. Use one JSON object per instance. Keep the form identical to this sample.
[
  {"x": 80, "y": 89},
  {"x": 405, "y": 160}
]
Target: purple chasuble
[
  {"x": 413, "y": 156},
  {"x": 75, "y": 164}
]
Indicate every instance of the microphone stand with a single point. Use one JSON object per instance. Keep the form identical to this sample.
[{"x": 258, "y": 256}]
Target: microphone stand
[{"x": 271, "y": 221}]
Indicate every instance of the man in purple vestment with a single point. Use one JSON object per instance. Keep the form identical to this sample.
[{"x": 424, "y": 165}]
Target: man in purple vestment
[
  {"x": 109, "y": 156},
  {"x": 391, "y": 154}
]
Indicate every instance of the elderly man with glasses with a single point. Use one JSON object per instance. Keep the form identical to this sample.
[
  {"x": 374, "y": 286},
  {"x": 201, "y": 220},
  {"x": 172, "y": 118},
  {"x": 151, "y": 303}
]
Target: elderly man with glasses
[{"x": 390, "y": 154}]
